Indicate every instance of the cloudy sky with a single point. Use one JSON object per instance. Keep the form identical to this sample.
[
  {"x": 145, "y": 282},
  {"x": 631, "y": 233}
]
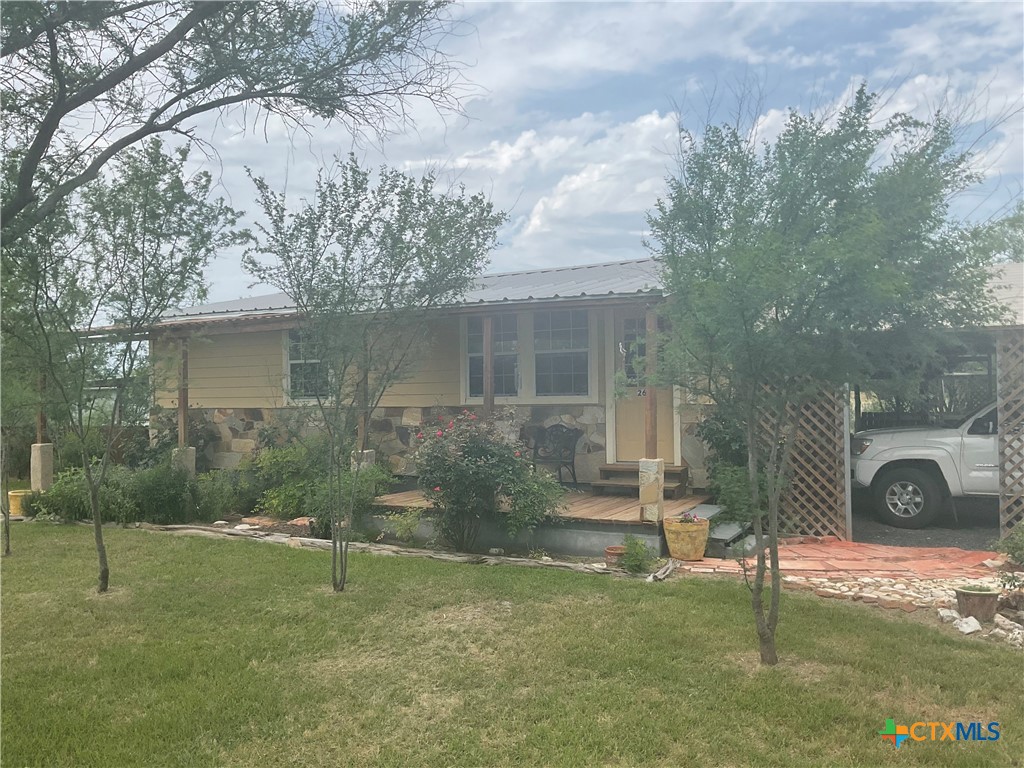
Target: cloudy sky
[{"x": 574, "y": 108}]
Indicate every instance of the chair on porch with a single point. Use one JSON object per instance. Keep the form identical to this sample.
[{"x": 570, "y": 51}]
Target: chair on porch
[{"x": 554, "y": 446}]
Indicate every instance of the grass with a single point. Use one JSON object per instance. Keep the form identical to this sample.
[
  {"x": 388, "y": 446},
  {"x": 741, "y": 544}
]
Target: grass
[{"x": 236, "y": 653}]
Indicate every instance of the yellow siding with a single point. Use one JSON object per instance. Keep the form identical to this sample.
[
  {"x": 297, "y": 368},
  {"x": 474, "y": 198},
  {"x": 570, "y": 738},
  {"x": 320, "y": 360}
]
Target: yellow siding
[
  {"x": 237, "y": 370},
  {"x": 433, "y": 379}
]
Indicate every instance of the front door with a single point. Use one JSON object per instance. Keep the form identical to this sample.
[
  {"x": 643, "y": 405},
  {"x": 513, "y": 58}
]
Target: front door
[{"x": 628, "y": 345}]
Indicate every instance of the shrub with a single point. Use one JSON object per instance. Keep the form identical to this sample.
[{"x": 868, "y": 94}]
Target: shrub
[
  {"x": 471, "y": 471},
  {"x": 165, "y": 494},
  {"x": 637, "y": 558},
  {"x": 32, "y": 505},
  {"x": 371, "y": 483},
  {"x": 219, "y": 495},
  {"x": 68, "y": 497},
  {"x": 1013, "y": 545}
]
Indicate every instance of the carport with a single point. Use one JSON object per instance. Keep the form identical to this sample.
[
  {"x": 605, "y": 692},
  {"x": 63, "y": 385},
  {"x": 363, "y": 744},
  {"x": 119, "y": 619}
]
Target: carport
[{"x": 818, "y": 500}]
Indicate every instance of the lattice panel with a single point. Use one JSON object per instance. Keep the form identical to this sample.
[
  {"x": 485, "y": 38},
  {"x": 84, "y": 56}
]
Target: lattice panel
[
  {"x": 814, "y": 502},
  {"x": 1010, "y": 401}
]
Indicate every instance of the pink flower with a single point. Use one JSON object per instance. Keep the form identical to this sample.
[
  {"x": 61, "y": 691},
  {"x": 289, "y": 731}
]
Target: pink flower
[
  {"x": 472, "y": 417},
  {"x": 440, "y": 433},
  {"x": 419, "y": 436},
  {"x": 451, "y": 424},
  {"x": 437, "y": 487},
  {"x": 518, "y": 454}
]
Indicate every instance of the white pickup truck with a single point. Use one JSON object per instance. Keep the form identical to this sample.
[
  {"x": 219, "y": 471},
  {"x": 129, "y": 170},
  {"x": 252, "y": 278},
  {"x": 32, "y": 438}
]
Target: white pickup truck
[{"x": 912, "y": 471}]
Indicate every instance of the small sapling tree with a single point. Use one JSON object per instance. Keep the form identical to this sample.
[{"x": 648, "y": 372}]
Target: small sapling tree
[
  {"x": 365, "y": 261},
  {"x": 84, "y": 288},
  {"x": 807, "y": 263}
]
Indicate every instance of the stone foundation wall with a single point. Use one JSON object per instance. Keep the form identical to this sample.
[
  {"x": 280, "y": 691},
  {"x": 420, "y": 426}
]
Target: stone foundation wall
[
  {"x": 226, "y": 435},
  {"x": 391, "y": 430}
]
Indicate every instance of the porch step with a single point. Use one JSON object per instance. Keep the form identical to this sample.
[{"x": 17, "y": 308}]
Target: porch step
[
  {"x": 674, "y": 472},
  {"x": 673, "y": 489}
]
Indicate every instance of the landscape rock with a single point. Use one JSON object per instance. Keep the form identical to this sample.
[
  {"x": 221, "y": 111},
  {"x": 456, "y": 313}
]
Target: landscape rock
[
  {"x": 948, "y": 615},
  {"x": 998, "y": 633},
  {"x": 220, "y": 523},
  {"x": 1005, "y": 624},
  {"x": 968, "y": 626}
]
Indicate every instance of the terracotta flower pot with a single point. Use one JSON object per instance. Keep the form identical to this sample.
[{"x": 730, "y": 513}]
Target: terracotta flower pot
[
  {"x": 613, "y": 555},
  {"x": 686, "y": 541},
  {"x": 981, "y": 604}
]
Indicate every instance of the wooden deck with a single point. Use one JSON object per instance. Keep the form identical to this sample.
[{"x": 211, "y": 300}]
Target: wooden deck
[{"x": 579, "y": 506}]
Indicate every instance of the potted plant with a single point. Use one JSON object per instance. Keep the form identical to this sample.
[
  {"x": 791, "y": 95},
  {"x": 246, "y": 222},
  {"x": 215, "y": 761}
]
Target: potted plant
[
  {"x": 686, "y": 535},
  {"x": 613, "y": 555},
  {"x": 977, "y": 600}
]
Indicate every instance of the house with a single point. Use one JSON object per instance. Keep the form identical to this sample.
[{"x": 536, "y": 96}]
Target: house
[{"x": 563, "y": 342}]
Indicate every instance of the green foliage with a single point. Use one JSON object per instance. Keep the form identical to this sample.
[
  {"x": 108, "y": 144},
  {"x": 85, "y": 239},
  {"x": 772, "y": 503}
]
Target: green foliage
[
  {"x": 68, "y": 497},
  {"x": 722, "y": 433},
  {"x": 163, "y": 494},
  {"x": 638, "y": 557},
  {"x": 357, "y": 64},
  {"x": 472, "y": 471},
  {"x": 731, "y": 486},
  {"x": 1013, "y": 545},
  {"x": 32, "y": 505},
  {"x": 406, "y": 523}
]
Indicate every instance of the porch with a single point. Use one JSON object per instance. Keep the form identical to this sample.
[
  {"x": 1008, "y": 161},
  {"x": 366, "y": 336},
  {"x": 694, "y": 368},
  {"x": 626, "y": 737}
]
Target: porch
[
  {"x": 580, "y": 506},
  {"x": 588, "y": 524}
]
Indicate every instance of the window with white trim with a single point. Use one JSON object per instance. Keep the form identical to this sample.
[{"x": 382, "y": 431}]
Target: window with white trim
[
  {"x": 561, "y": 348},
  {"x": 306, "y": 377},
  {"x": 542, "y": 356},
  {"x": 505, "y": 344}
]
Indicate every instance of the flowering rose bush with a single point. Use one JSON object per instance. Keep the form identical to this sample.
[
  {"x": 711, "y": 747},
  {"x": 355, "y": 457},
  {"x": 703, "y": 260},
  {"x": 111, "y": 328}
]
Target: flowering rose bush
[{"x": 471, "y": 471}]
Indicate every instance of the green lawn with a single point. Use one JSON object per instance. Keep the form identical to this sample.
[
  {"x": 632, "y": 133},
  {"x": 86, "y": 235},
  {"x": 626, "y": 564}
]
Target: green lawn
[{"x": 236, "y": 653}]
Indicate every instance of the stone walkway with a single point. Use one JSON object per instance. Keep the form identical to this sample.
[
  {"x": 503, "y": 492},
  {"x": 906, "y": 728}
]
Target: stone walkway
[{"x": 906, "y": 578}]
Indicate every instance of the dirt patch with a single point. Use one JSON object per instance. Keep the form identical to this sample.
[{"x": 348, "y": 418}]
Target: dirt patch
[
  {"x": 801, "y": 670},
  {"x": 486, "y": 616}
]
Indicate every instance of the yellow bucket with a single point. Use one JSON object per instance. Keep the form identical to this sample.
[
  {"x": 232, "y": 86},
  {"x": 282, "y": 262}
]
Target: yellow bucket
[
  {"x": 14, "y": 499},
  {"x": 686, "y": 541}
]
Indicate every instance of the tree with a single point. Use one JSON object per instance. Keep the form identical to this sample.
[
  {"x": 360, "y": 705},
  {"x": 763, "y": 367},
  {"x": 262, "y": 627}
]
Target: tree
[
  {"x": 82, "y": 290},
  {"x": 828, "y": 256},
  {"x": 365, "y": 263},
  {"x": 82, "y": 81}
]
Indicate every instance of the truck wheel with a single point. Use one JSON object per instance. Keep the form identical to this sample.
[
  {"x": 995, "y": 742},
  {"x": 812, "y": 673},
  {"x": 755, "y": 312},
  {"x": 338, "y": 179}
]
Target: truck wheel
[{"x": 907, "y": 498}]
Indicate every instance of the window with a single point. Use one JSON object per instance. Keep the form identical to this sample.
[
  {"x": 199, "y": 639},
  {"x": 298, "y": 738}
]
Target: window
[
  {"x": 505, "y": 341},
  {"x": 306, "y": 377},
  {"x": 633, "y": 348},
  {"x": 561, "y": 347}
]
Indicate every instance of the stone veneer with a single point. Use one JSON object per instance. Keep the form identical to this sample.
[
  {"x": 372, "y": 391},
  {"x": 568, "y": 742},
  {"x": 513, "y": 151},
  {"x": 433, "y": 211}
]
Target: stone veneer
[{"x": 232, "y": 433}]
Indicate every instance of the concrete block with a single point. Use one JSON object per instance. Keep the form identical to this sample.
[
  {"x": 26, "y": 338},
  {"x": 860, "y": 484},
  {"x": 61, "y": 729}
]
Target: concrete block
[
  {"x": 652, "y": 486},
  {"x": 239, "y": 445},
  {"x": 42, "y": 466}
]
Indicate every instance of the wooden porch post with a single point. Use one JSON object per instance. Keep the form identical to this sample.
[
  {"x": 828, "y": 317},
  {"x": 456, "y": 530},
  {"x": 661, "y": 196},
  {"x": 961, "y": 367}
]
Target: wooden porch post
[
  {"x": 651, "y": 398},
  {"x": 183, "y": 395},
  {"x": 488, "y": 366}
]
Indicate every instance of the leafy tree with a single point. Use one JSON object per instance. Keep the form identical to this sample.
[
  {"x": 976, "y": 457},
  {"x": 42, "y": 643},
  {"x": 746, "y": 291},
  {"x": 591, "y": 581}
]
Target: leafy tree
[
  {"x": 82, "y": 81},
  {"x": 826, "y": 257},
  {"x": 365, "y": 263},
  {"x": 82, "y": 290}
]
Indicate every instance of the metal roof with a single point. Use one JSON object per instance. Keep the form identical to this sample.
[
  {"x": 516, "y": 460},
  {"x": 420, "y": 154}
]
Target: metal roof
[{"x": 615, "y": 278}]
